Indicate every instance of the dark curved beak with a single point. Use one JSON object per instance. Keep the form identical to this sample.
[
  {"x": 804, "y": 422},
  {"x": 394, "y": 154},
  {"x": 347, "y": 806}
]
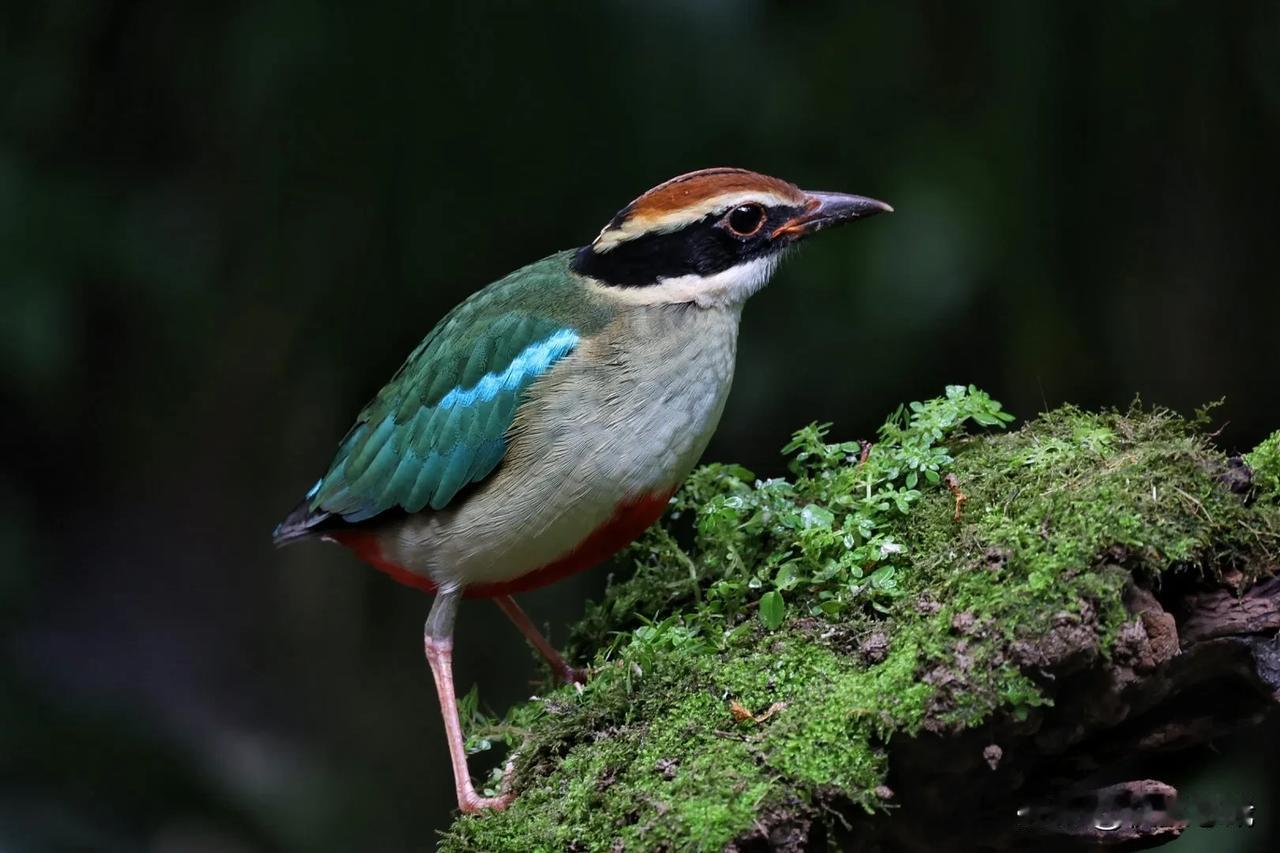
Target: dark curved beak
[{"x": 822, "y": 210}]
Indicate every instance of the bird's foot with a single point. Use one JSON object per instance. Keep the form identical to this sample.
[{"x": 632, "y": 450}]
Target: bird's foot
[
  {"x": 470, "y": 802},
  {"x": 473, "y": 802}
]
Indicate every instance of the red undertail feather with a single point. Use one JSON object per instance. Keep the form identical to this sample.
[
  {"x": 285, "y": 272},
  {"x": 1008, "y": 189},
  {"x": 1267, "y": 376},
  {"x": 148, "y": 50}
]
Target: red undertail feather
[
  {"x": 365, "y": 545},
  {"x": 629, "y": 520}
]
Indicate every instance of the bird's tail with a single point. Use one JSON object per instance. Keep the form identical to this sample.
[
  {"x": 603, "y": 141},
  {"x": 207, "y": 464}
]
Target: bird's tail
[{"x": 299, "y": 524}]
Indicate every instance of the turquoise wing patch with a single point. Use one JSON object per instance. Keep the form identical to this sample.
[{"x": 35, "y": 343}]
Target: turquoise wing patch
[{"x": 442, "y": 422}]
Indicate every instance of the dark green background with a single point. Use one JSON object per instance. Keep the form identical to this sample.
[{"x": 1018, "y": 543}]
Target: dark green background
[{"x": 221, "y": 230}]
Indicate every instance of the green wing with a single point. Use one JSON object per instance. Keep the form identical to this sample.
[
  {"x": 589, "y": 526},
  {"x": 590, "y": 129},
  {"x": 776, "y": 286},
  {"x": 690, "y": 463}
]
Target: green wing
[{"x": 442, "y": 421}]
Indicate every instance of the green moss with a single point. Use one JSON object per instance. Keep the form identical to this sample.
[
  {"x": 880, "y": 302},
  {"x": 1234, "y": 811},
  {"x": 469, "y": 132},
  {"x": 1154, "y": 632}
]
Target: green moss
[
  {"x": 900, "y": 613},
  {"x": 1265, "y": 462}
]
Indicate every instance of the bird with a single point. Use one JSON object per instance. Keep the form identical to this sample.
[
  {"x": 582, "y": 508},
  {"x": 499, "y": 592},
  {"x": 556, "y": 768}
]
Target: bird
[{"x": 545, "y": 422}]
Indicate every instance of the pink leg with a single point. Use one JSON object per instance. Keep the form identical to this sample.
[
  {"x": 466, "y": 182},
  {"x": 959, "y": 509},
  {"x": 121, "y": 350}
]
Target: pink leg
[
  {"x": 559, "y": 668},
  {"x": 438, "y": 641}
]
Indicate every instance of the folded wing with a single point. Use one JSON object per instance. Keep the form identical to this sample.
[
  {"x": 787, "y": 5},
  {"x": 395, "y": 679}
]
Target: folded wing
[{"x": 442, "y": 422}]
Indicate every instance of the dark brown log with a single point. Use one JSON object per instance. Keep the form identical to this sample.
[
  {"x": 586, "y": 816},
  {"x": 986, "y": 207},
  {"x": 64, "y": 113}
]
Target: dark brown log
[{"x": 1194, "y": 664}]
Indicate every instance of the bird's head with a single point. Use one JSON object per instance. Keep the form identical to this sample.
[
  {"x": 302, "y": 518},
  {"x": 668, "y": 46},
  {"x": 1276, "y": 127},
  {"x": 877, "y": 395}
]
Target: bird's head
[{"x": 711, "y": 237}]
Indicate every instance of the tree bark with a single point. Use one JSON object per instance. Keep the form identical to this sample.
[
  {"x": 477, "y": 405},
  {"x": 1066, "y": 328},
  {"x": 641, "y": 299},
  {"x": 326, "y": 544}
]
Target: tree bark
[{"x": 1194, "y": 664}]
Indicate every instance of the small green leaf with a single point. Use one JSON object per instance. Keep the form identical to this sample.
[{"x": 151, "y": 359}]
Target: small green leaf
[
  {"x": 786, "y": 578},
  {"x": 772, "y": 609},
  {"x": 883, "y": 578},
  {"x": 816, "y": 516},
  {"x": 476, "y": 744}
]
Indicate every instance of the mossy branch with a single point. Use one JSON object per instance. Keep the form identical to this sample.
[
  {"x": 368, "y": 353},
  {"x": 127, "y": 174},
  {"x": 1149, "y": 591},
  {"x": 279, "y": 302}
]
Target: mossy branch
[{"x": 922, "y": 642}]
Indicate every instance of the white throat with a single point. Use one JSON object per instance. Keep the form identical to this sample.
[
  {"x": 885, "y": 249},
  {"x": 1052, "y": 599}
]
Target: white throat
[{"x": 719, "y": 290}]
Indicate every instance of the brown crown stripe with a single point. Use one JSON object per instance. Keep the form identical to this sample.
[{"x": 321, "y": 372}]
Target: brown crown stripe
[
  {"x": 692, "y": 189},
  {"x": 686, "y": 199}
]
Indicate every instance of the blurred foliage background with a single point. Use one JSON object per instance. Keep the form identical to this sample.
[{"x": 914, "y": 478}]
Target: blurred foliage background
[{"x": 223, "y": 225}]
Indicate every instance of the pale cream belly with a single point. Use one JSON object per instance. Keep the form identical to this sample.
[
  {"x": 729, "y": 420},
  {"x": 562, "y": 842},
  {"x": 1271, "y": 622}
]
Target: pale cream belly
[{"x": 610, "y": 424}]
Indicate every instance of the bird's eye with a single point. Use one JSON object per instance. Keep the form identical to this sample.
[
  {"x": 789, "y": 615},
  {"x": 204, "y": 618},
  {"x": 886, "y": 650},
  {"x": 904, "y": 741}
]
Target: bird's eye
[{"x": 745, "y": 219}]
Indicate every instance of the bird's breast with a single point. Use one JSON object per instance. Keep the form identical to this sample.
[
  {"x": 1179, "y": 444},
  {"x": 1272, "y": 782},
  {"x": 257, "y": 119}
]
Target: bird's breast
[{"x": 623, "y": 419}]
